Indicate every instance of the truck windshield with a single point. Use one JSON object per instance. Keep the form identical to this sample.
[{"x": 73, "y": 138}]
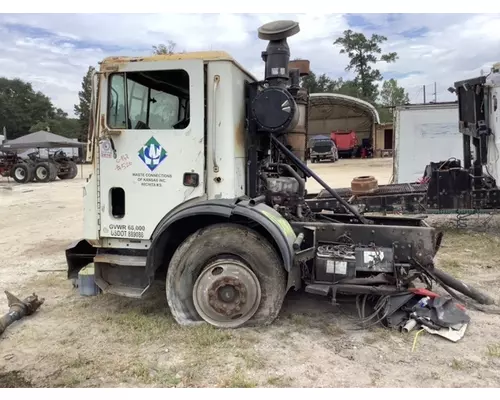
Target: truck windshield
[{"x": 149, "y": 100}]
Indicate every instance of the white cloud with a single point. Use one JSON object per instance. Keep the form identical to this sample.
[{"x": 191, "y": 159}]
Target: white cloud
[{"x": 54, "y": 50}]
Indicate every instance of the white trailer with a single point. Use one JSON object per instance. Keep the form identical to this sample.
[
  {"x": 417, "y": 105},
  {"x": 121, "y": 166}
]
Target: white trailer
[{"x": 424, "y": 132}]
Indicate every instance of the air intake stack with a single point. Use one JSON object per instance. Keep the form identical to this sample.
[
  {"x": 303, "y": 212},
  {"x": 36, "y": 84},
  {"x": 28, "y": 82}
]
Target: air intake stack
[
  {"x": 277, "y": 54},
  {"x": 274, "y": 108}
]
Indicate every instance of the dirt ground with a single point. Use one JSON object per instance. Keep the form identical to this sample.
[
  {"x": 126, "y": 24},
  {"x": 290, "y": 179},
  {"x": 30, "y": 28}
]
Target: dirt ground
[{"x": 107, "y": 341}]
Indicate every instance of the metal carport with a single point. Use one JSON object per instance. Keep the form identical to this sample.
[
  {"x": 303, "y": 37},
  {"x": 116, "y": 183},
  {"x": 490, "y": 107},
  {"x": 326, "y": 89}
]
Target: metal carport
[{"x": 332, "y": 111}]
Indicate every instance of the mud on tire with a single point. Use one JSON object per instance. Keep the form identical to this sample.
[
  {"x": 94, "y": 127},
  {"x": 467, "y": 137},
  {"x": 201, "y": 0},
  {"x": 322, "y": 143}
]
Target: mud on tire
[{"x": 223, "y": 241}]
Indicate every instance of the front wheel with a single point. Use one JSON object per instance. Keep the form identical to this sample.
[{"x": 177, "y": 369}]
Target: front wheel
[{"x": 227, "y": 275}]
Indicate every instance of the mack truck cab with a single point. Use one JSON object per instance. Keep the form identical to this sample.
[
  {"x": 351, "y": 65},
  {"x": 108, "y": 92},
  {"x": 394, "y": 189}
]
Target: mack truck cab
[{"x": 198, "y": 181}]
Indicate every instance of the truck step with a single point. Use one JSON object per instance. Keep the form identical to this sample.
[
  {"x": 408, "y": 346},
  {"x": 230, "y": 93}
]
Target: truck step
[
  {"x": 121, "y": 275},
  {"x": 118, "y": 290}
]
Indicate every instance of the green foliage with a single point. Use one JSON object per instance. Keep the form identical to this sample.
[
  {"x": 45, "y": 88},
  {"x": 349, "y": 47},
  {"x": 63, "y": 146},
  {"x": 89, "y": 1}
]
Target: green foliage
[
  {"x": 82, "y": 110},
  {"x": 60, "y": 125},
  {"x": 385, "y": 114},
  {"x": 363, "y": 53},
  {"x": 21, "y": 107},
  {"x": 168, "y": 48},
  {"x": 324, "y": 84},
  {"x": 320, "y": 84},
  {"x": 393, "y": 95}
]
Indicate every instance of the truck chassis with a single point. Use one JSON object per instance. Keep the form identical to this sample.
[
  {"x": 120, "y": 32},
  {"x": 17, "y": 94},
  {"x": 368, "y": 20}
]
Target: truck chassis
[{"x": 230, "y": 262}]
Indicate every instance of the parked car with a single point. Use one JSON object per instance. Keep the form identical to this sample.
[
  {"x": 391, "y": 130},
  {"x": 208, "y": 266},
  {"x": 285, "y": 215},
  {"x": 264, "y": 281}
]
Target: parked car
[{"x": 322, "y": 148}]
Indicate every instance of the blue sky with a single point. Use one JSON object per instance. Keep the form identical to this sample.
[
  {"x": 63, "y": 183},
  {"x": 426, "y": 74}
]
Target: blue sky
[{"x": 53, "y": 51}]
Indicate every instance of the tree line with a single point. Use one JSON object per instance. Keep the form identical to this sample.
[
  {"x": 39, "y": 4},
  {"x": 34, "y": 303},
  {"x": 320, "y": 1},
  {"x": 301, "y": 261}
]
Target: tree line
[{"x": 24, "y": 110}]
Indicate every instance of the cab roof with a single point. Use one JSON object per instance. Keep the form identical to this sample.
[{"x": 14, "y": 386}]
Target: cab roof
[
  {"x": 198, "y": 55},
  {"x": 112, "y": 62}
]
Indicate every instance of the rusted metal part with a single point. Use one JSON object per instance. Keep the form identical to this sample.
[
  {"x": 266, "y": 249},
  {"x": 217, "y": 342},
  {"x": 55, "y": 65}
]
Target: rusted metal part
[
  {"x": 297, "y": 138},
  {"x": 231, "y": 291},
  {"x": 363, "y": 185},
  {"x": 302, "y": 65},
  {"x": 19, "y": 309}
]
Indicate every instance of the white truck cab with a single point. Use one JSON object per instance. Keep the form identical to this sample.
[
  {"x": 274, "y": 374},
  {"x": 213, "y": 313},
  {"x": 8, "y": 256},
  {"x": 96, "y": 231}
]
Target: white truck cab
[{"x": 170, "y": 131}]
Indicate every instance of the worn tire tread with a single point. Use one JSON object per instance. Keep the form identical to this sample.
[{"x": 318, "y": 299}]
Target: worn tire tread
[{"x": 202, "y": 246}]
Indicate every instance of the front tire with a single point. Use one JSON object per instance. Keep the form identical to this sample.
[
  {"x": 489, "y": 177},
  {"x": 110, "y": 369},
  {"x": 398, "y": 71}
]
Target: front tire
[{"x": 227, "y": 275}]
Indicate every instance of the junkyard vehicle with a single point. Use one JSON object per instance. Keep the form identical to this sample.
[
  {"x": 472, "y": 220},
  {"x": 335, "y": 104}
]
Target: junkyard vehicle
[
  {"x": 58, "y": 165},
  {"x": 11, "y": 165},
  {"x": 66, "y": 166},
  {"x": 323, "y": 149},
  {"x": 199, "y": 180},
  {"x": 346, "y": 142},
  {"x": 450, "y": 185}
]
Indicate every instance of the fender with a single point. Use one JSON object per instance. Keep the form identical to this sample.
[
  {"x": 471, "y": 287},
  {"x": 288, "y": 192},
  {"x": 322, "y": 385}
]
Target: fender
[
  {"x": 275, "y": 224},
  {"x": 269, "y": 219}
]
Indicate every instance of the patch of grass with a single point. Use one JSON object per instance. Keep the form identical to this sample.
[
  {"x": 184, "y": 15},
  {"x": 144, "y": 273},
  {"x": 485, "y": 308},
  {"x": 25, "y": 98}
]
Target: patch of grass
[
  {"x": 279, "y": 381},
  {"x": 72, "y": 379},
  {"x": 332, "y": 330},
  {"x": 79, "y": 362},
  {"x": 475, "y": 247},
  {"x": 205, "y": 336},
  {"x": 139, "y": 328},
  {"x": 149, "y": 375},
  {"x": 457, "y": 364},
  {"x": 252, "y": 360},
  {"x": 239, "y": 380},
  {"x": 494, "y": 350}
]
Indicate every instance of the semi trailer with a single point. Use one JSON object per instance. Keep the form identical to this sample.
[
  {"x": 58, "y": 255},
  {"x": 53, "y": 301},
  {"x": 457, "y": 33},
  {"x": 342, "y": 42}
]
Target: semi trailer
[{"x": 199, "y": 180}]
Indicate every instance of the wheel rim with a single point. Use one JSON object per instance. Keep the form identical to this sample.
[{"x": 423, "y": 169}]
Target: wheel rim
[
  {"x": 19, "y": 174},
  {"x": 227, "y": 293},
  {"x": 41, "y": 173}
]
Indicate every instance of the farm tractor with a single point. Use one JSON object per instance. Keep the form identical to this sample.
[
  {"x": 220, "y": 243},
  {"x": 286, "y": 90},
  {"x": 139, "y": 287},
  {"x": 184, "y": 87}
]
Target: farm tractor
[
  {"x": 37, "y": 169},
  {"x": 199, "y": 181}
]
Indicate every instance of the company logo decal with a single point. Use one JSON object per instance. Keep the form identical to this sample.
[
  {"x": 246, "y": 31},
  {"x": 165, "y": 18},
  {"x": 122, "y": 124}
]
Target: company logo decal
[{"x": 152, "y": 154}]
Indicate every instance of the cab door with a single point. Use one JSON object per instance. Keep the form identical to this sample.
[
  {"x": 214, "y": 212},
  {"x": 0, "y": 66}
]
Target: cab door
[{"x": 151, "y": 158}]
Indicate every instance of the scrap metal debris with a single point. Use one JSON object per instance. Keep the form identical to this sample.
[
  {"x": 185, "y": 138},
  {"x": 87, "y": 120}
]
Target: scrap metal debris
[
  {"x": 421, "y": 308},
  {"x": 19, "y": 309}
]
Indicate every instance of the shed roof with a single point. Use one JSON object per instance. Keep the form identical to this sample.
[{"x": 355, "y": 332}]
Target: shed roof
[
  {"x": 42, "y": 139},
  {"x": 322, "y": 106}
]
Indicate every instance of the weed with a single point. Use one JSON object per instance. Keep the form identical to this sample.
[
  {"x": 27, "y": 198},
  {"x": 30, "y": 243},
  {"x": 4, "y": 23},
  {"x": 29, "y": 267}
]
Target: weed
[
  {"x": 457, "y": 364},
  {"x": 252, "y": 360},
  {"x": 494, "y": 350},
  {"x": 279, "y": 381},
  {"x": 239, "y": 380}
]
